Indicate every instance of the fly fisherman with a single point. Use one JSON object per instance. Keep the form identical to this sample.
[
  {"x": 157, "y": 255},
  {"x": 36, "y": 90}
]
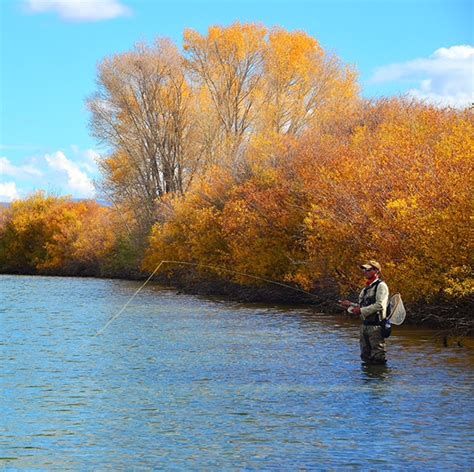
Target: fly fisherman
[{"x": 372, "y": 309}]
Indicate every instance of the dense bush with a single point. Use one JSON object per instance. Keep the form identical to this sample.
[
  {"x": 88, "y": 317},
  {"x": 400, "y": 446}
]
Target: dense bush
[
  {"x": 394, "y": 186},
  {"x": 50, "y": 235}
]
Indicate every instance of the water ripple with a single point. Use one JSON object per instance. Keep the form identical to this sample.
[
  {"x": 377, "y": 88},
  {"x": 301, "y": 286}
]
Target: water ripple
[{"x": 183, "y": 382}]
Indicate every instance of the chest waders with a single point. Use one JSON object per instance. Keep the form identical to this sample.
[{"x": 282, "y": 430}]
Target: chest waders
[
  {"x": 376, "y": 319},
  {"x": 372, "y": 342}
]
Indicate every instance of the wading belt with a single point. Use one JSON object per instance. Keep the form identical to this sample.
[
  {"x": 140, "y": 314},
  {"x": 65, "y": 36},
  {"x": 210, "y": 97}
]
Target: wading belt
[{"x": 370, "y": 322}]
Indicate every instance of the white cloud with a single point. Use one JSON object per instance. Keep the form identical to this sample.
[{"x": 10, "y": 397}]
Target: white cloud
[
  {"x": 8, "y": 192},
  {"x": 88, "y": 159},
  {"x": 91, "y": 159},
  {"x": 80, "y": 10},
  {"x": 7, "y": 168},
  {"x": 59, "y": 173},
  {"x": 444, "y": 79},
  {"x": 77, "y": 181}
]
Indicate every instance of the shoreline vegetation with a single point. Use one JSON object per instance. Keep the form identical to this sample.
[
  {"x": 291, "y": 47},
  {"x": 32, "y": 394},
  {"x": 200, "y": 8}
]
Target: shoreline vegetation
[
  {"x": 453, "y": 319},
  {"x": 251, "y": 150}
]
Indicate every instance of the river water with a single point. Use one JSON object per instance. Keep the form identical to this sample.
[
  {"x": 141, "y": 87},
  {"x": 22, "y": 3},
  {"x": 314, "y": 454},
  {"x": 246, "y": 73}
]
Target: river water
[{"x": 180, "y": 382}]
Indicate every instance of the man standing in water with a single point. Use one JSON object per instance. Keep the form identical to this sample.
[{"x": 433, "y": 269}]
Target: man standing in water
[{"x": 372, "y": 309}]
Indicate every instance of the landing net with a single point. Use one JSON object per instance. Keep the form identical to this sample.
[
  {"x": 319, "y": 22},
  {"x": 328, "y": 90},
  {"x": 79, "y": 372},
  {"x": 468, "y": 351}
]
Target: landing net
[{"x": 397, "y": 310}]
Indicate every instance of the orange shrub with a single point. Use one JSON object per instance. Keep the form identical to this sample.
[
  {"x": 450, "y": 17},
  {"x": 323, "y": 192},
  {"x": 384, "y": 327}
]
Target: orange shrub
[
  {"x": 392, "y": 183},
  {"x": 47, "y": 234}
]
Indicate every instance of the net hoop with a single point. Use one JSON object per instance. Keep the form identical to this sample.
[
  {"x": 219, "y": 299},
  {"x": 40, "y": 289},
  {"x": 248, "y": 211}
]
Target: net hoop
[{"x": 397, "y": 310}]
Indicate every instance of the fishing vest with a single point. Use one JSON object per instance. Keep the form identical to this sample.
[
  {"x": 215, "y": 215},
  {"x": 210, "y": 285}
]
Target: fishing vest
[{"x": 368, "y": 298}]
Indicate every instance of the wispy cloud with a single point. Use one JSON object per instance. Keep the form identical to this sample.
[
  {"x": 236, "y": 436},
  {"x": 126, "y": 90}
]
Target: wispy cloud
[
  {"x": 7, "y": 168},
  {"x": 78, "y": 181},
  {"x": 87, "y": 159},
  {"x": 444, "y": 79},
  {"x": 80, "y": 10}
]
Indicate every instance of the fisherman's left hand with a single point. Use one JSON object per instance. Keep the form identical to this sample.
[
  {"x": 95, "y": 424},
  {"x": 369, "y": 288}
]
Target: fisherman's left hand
[{"x": 356, "y": 310}]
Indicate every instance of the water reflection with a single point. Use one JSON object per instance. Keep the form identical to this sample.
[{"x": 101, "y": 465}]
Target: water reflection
[{"x": 372, "y": 372}]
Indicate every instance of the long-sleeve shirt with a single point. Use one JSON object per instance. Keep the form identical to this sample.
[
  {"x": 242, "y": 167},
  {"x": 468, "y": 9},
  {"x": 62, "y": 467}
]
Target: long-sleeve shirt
[{"x": 381, "y": 300}]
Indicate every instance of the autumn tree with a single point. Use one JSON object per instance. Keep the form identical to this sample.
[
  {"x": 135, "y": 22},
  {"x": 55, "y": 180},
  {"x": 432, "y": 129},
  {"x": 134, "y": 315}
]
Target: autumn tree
[
  {"x": 228, "y": 64},
  {"x": 167, "y": 116},
  {"x": 84, "y": 238},
  {"x": 303, "y": 84},
  {"x": 26, "y": 226},
  {"x": 141, "y": 112},
  {"x": 54, "y": 235},
  {"x": 250, "y": 226},
  {"x": 272, "y": 82}
]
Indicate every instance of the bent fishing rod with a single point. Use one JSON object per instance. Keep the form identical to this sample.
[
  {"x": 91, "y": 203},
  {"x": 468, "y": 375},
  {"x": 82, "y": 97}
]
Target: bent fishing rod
[{"x": 322, "y": 301}]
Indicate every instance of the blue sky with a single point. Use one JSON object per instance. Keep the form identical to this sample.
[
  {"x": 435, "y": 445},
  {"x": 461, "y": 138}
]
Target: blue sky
[{"x": 49, "y": 50}]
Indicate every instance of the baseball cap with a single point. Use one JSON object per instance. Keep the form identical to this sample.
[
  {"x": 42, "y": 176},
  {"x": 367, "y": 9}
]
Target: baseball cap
[{"x": 371, "y": 265}]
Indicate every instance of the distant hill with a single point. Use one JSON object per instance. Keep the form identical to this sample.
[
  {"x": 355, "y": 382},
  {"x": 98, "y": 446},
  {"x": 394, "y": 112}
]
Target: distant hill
[{"x": 104, "y": 203}]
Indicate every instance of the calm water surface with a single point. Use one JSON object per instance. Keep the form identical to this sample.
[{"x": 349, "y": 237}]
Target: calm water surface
[{"x": 179, "y": 382}]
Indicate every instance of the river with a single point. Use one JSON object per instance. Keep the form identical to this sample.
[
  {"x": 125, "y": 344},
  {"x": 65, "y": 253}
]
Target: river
[{"x": 180, "y": 382}]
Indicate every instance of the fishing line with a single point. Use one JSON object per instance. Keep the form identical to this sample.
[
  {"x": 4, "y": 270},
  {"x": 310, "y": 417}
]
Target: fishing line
[
  {"x": 128, "y": 302},
  {"x": 222, "y": 269}
]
